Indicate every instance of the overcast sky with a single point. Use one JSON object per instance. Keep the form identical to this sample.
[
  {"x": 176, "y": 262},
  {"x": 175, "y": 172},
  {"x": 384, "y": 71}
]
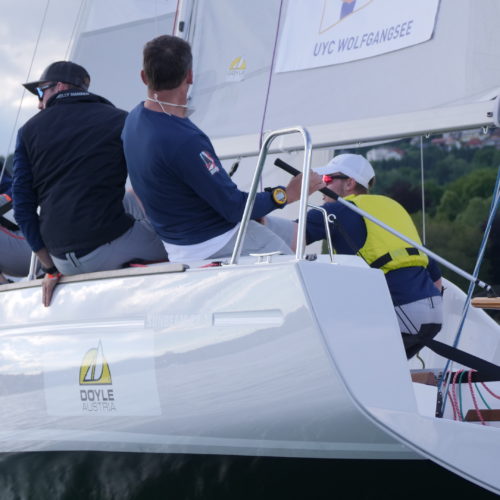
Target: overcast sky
[{"x": 20, "y": 23}]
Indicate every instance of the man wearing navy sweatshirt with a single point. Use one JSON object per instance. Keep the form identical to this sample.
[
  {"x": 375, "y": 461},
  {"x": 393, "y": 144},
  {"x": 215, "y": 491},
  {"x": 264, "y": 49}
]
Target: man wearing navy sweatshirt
[{"x": 191, "y": 201}]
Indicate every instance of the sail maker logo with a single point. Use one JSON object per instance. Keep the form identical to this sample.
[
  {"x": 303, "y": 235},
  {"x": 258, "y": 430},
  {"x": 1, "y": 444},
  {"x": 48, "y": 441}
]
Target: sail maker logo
[
  {"x": 237, "y": 69},
  {"x": 95, "y": 376}
]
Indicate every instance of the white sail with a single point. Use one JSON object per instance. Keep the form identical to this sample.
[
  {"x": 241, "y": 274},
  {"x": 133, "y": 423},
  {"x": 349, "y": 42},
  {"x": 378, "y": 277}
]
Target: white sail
[
  {"x": 116, "y": 31},
  {"x": 456, "y": 67},
  {"x": 445, "y": 82}
]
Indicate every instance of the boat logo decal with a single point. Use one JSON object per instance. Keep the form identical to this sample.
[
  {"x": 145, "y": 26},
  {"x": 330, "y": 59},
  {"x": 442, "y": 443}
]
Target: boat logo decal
[
  {"x": 237, "y": 69},
  {"x": 209, "y": 162},
  {"x": 94, "y": 371}
]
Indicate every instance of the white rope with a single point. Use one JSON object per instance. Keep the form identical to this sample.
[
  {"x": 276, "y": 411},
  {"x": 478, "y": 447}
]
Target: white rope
[
  {"x": 424, "y": 236},
  {"x": 75, "y": 26},
  {"x": 24, "y": 90}
]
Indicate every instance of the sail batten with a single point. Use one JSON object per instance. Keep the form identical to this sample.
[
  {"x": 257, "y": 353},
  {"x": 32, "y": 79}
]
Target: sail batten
[{"x": 362, "y": 132}]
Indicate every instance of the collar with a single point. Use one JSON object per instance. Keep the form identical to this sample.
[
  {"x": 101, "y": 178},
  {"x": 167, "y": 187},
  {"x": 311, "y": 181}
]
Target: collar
[{"x": 75, "y": 95}]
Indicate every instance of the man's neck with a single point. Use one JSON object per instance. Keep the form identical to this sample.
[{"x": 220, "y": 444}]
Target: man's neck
[{"x": 158, "y": 101}]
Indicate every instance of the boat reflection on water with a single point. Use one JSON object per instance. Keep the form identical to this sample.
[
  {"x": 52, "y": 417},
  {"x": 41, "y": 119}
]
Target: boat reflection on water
[{"x": 148, "y": 476}]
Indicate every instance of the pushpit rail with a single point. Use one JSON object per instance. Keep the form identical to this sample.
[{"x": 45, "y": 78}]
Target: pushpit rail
[{"x": 304, "y": 192}]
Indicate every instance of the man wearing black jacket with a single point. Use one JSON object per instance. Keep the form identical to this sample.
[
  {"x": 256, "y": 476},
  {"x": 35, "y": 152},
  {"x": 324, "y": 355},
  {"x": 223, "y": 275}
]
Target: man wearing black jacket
[{"x": 69, "y": 161}]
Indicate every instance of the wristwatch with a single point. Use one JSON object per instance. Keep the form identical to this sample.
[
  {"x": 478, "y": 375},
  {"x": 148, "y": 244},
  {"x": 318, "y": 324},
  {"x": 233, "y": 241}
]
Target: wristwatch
[
  {"x": 279, "y": 196},
  {"x": 49, "y": 270}
]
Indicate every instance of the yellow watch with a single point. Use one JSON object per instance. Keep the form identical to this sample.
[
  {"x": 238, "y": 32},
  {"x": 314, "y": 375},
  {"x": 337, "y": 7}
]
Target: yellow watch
[{"x": 279, "y": 196}]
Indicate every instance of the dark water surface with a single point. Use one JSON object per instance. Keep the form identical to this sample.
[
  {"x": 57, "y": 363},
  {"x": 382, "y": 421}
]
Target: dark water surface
[{"x": 123, "y": 476}]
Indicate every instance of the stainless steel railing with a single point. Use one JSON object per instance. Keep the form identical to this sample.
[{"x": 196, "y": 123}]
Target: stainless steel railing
[{"x": 301, "y": 234}]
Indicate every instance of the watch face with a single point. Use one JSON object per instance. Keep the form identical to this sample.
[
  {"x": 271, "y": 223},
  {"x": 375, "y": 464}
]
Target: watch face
[{"x": 279, "y": 196}]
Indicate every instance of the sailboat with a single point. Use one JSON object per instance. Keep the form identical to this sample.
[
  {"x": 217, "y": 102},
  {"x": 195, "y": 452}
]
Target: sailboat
[{"x": 267, "y": 356}]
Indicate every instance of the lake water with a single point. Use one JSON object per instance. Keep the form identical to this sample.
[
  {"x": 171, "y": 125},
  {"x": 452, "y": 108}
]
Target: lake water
[{"x": 120, "y": 476}]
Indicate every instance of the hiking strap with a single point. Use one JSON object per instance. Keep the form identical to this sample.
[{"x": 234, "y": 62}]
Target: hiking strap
[{"x": 488, "y": 372}]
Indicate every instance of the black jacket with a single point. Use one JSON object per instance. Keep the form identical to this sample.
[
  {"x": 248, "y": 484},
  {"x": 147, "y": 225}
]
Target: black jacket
[{"x": 69, "y": 160}]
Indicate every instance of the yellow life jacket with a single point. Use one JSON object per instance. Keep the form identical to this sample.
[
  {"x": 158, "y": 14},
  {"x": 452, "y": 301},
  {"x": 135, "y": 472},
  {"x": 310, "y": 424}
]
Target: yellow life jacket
[{"x": 382, "y": 249}]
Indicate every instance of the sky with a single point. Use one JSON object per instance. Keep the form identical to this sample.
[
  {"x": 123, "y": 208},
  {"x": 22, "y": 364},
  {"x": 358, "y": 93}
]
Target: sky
[{"x": 20, "y": 24}]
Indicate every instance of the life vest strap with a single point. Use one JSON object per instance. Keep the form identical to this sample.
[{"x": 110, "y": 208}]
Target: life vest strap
[{"x": 394, "y": 254}]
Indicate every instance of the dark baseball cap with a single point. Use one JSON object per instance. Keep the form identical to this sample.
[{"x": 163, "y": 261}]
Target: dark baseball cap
[{"x": 62, "y": 71}]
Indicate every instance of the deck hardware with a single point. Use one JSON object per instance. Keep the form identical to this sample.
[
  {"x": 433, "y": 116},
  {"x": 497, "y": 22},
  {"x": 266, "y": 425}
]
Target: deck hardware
[{"x": 265, "y": 258}]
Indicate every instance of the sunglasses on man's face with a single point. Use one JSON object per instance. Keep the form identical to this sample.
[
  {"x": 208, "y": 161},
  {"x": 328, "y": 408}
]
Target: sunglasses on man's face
[
  {"x": 327, "y": 179},
  {"x": 41, "y": 90}
]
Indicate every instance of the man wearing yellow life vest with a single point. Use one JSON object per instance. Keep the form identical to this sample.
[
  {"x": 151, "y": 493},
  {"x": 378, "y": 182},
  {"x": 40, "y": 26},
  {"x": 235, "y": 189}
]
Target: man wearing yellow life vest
[{"x": 414, "y": 281}]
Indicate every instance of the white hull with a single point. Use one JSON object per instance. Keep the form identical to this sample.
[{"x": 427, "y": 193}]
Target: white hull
[{"x": 288, "y": 359}]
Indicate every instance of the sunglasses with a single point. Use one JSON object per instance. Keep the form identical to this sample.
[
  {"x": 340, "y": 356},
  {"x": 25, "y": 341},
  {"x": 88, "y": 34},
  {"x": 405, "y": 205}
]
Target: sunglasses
[
  {"x": 327, "y": 179},
  {"x": 41, "y": 90}
]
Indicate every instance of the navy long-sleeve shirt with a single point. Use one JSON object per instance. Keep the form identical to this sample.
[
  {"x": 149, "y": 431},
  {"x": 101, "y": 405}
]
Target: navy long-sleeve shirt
[{"x": 174, "y": 170}]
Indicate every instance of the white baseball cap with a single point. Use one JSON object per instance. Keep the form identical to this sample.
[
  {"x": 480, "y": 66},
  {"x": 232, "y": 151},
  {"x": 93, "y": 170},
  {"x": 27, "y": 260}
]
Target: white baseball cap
[{"x": 355, "y": 166}]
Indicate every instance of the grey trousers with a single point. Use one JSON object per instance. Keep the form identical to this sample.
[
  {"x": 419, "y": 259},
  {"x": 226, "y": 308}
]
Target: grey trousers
[
  {"x": 423, "y": 317},
  {"x": 412, "y": 316},
  {"x": 15, "y": 253},
  {"x": 258, "y": 239},
  {"x": 139, "y": 242}
]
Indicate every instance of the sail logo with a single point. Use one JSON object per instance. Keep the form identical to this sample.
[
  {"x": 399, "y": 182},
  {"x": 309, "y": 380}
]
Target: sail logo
[
  {"x": 335, "y": 11},
  {"x": 95, "y": 371},
  {"x": 209, "y": 162},
  {"x": 237, "y": 69},
  {"x": 320, "y": 33}
]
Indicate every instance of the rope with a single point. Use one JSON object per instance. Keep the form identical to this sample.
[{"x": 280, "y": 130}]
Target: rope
[
  {"x": 73, "y": 31},
  {"x": 8, "y": 233},
  {"x": 421, "y": 360},
  {"x": 462, "y": 373},
  {"x": 490, "y": 391},
  {"x": 482, "y": 397},
  {"x": 453, "y": 406},
  {"x": 474, "y": 400},
  {"x": 423, "y": 188},
  {"x": 454, "y": 395},
  {"x": 14, "y": 128},
  {"x": 482, "y": 248},
  {"x": 268, "y": 90}
]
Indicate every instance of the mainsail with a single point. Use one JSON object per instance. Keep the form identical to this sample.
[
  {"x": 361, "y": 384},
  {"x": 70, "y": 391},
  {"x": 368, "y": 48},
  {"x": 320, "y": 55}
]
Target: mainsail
[
  {"x": 110, "y": 41},
  {"x": 455, "y": 69},
  {"x": 242, "y": 89}
]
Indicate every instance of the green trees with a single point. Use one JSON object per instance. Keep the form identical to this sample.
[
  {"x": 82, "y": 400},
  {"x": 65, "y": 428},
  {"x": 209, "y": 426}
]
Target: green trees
[{"x": 459, "y": 186}]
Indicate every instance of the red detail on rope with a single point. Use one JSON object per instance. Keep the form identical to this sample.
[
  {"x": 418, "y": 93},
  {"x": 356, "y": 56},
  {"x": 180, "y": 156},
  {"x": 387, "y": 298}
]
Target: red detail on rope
[
  {"x": 454, "y": 394},
  {"x": 474, "y": 400},
  {"x": 6, "y": 231},
  {"x": 455, "y": 412},
  {"x": 490, "y": 391}
]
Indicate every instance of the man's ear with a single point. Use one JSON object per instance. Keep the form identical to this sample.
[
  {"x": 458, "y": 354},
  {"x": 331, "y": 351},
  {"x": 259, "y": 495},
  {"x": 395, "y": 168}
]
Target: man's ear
[
  {"x": 62, "y": 86},
  {"x": 189, "y": 77},
  {"x": 350, "y": 183},
  {"x": 144, "y": 77}
]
